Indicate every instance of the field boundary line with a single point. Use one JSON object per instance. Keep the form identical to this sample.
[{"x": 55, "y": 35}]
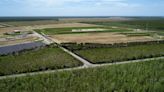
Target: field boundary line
[{"x": 85, "y": 62}]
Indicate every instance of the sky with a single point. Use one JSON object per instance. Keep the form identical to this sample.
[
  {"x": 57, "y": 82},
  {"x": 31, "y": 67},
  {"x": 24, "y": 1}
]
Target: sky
[{"x": 81, "y": 7}]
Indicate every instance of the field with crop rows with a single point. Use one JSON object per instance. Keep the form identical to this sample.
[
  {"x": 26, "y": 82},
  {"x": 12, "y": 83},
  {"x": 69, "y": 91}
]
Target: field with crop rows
[
  {"x": 46, "y": 58},
  {"x": 136, "y": 77},
  {"x": 53, "y": 31},
  {"x": 108, "y": 55},
  {"x": 138, "y": 34}
]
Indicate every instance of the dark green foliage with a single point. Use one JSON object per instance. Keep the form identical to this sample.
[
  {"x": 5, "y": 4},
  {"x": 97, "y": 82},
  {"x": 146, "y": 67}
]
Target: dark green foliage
[
  {"x": 117, "y": 54},
  {"x": 82, "y": 46},
  {"x": 17, "y": 19},
  {"x": 137, "y": 34},
  {"x": 136, "y": 77},
  {"x": 46, "y": 58},
  {"x": 150, "y": 24}
]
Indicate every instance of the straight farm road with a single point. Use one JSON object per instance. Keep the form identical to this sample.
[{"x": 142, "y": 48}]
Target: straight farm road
[
  {"x": 85, "y": 62},
  {"x": 45, "y": 40}
]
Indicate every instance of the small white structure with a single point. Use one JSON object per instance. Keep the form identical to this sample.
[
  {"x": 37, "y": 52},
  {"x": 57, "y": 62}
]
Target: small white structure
[
  {"x": 114, "y": 27},
  {"x": 138, "y": 30},
  {"x": 16, "y": 31},
  {"x": 88, "y": 30}
]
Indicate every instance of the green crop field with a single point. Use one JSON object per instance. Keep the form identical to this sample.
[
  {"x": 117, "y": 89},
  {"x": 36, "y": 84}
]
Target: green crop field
[
  {"x": 53, "y": 31},
  {"x": 108, "y": 55},
  {"x": 46, "y": 58},
  {"x": 137, "y": 77},
  {"x": 161, "y": 33},
  {"x": 138, "y": 34},
  {"x": 151, "y": 24}
]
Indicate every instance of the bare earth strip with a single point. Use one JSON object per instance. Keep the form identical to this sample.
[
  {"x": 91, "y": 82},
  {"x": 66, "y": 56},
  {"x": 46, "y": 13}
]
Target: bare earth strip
[
  {"x": 98, "y": 38},
  {"x": 27, "y": 28}
]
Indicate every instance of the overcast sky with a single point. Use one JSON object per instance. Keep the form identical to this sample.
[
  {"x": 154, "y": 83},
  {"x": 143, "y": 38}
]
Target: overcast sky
[{"x": 81, "y": 7}]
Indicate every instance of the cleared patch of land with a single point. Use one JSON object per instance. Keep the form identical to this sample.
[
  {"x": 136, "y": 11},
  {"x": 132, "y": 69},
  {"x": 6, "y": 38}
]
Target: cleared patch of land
[
  {"x": 18, "y": 41},
  {"x": 136, "y": 77},
  {"x": 46, "y": 58},
  {"x": 99, "y": 38},
  {"x": 12, "y": 38},
  {"x": 108, "y": 55}
]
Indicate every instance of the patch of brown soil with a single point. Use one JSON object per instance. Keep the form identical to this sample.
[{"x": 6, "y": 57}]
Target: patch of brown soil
[{"x": 98, "y": 38}]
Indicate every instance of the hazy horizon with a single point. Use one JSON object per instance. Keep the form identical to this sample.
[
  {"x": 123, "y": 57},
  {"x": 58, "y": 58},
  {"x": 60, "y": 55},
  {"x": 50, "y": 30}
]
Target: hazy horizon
[{"x": 81, "y": 8}]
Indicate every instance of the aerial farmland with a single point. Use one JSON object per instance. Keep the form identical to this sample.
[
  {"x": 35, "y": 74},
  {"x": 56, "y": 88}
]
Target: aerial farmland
[{"x": 81, "y": 55}]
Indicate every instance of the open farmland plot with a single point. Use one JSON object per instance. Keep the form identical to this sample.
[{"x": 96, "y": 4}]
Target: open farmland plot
[
  {"x": 54, "y": 31},
  {"x": 12, "y": 38},
  {"x": 151, "y": 24},
  {"x": 46, "y": 58},
  {"x": 108, "y": 55},
  {"x": 137, "y": 77},
  {"x": 104, "y": 38},
  {"x": 32, "y": 27},
  {"x": 138, "y": 34},
  {"x": 19, "y": 41}
]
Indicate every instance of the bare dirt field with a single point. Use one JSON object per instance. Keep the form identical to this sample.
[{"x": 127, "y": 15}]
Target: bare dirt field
[
  {"x": 27, "y": 28},
  {"x": 104, "y": 38}
]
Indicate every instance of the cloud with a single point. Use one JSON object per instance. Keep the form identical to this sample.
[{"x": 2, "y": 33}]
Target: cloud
[
  {"x": 81, "y": 7},
  {"x": 60, "y": 3}
]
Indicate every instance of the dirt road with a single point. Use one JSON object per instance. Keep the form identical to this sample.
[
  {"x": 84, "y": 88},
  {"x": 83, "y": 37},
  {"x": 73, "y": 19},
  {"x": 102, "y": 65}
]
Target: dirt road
[{"x": 86, "y": 64}]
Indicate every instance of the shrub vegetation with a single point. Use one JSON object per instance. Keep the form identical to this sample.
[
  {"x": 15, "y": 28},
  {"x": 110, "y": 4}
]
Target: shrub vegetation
[
  {"x": 136, "y": 77},
  {"x": 116, "y": 54},
  {"x": 46, "y": 58},
  {"x": 151, "y": 24}
]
